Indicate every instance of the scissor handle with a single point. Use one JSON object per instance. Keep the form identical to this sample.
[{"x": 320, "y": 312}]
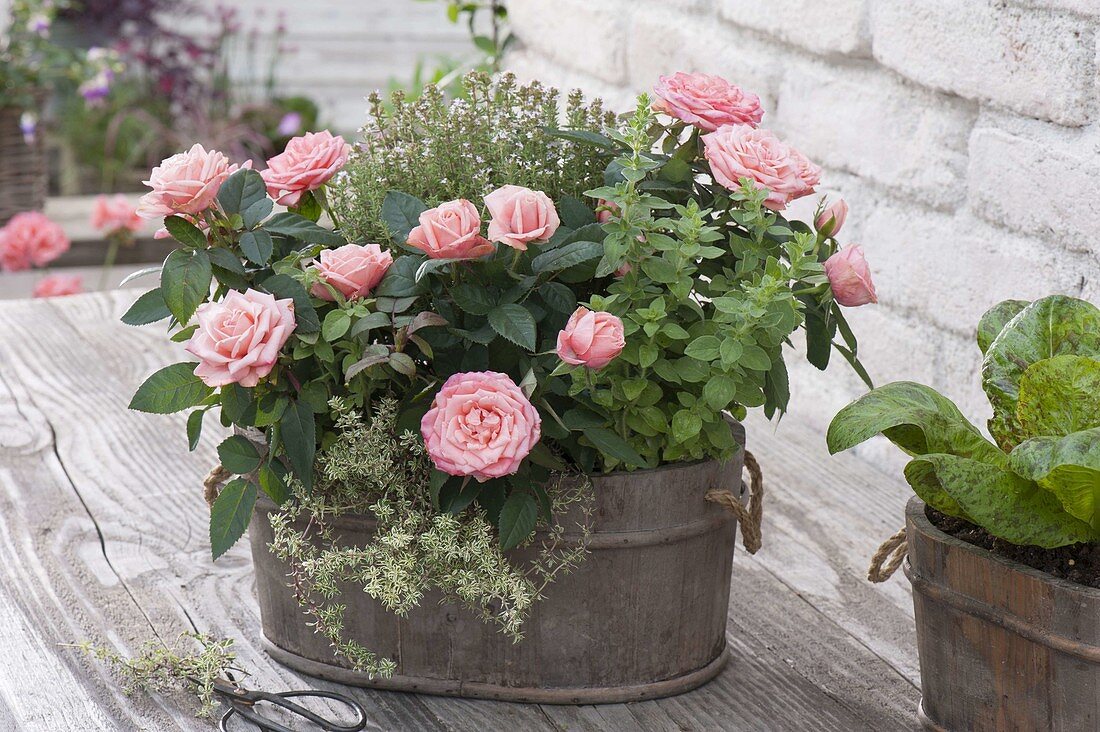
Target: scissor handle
[{"x": 243, "y": 704}]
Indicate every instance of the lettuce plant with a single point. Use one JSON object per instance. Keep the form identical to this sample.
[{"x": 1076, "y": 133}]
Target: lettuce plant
[{"x": 1038, "y": 482}]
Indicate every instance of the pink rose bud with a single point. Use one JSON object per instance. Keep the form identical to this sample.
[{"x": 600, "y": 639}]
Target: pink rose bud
[
  {"x": 591, "y": 339},
  {"x": 307, "y": 163},
  {"x": 520, "y": 215},
  {"x": 239, "y": 338},
  {"x": 352, "y": 269},
  {"x": 57, "y": 285},
  {"x": 451, "y": 231},
  {"x": 480, "y": 424},
  {"x": 850, "y": 277},
  {"x": 832, "y": 218},
  {"x": 30, "y": 239},
  {"x": 115, "y": 214},
  {"x": 186, "y": 183},
  {"x": 706, "y": 101},
  {"x": 739, "y": 151},
  {"x": 606, "y": 210}
]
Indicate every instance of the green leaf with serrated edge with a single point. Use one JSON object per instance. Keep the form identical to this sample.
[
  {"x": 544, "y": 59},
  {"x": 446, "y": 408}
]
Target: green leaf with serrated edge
[
  {"x": 515, "y": 323},
  {"x": 401, "y": 213},
  {"x": 575, "y": 213},
  {"x": 400, "y": 278},
  {"x": 308, "y": 207},
  {"x": 272, "y": 483},
  {"x": 230, "y": 514},
  {"x": 369, "y": 323},
  {"x": 149, "y": 308},
  {"x": 1068, "y": 467},
  {"x": 1006, "y": 505},
  {"x": 457, "y": 495},
  {"x": 995, "y": 319},
  {"x": 432, "y": 265},
  {"x": 257, "y": 212},
  {"x": 302, "y": 229},
  {"x": 185, "y": 282},
  {"x": 225, "y": 259},
  {"x": 610, "y": 444},
  {"x": 194, "y": 428},
  {"x": 436, "y": 479},
  {"x": 542, "y": 455},
  {"x": 298, "y": 433},
  {"x": 238, "y": 405},
  {"x": 915, "y": 418},
  {"x": 517, "y": 520},
  {"x": 241, "y": 191},
  {"x": 305, "y": 315},
  {"x": 1059, "y": 396},
  {"x": 585, "y": 137},
  {"x": 473, "y": 299},
  {"x": 238, "y": 455},
  {"x": 1053, "y": 326},
  {"x": 336, "y": 324},
  {"x": 185, "y": 232},
  {"x": 566, "y": 256},
  {"x": 257, "y": 246},
  {"x": 558, "y": 297},
  {"x": 171, "y": 389}
]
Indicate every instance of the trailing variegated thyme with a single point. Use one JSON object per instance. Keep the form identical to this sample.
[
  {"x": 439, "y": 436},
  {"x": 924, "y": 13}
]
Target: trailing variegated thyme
[{"x": 373, "y": 470}]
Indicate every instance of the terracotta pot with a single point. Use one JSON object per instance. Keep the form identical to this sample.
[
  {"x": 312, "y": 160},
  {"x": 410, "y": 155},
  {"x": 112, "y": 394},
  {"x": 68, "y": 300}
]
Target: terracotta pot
[
  {"x": 643, "y": 616},
  {"x": 1002, "y": 646}
]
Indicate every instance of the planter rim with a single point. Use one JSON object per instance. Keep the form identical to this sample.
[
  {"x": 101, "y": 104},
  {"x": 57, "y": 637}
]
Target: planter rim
[{"x": 915, "y": 512}]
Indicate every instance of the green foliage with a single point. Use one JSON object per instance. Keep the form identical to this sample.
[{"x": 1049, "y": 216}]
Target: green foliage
[
  {"x": 371, "y": 468},
  {"x": 171, "y": 389},
  {"x": 438, "y": 150},
  {"x": 1042, "y": 485},
  {"x": 230, "y": 514}
]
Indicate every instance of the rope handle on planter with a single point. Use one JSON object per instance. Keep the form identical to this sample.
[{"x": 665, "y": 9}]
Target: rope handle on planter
[
  {"x": 888, "y": 557},
  {"x": 213, "y": 482},
  {"x": 751, "y": 517}
]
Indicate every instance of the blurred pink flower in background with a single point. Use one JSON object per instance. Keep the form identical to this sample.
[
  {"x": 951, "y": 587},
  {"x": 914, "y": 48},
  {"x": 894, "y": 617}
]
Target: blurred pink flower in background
[
  {"x": 520, "y": 215},
  {"x": 481, "y": 424},
  {"x": 58, "y": 285},
  {"x": 850, "y": 277},
  {"x": 308, "y": 162},
  {"x": 115, "y": 214},
  {"x": 739, "y": 151},
  {"x": 706, "y": 101},
  {"x": 187, "y": 182},
  {"x": 31, "y": 239}
]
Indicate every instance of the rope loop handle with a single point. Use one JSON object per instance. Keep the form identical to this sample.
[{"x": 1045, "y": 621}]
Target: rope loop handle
[
  {"x": 213, "y": 482},
  {"x": 888, "y": 557},
  {"x": 751, "y": 517}
]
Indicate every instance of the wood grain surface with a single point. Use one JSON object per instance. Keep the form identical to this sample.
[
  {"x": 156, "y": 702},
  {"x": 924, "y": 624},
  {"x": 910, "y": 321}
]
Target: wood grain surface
[{"x": 103, "y": 537}]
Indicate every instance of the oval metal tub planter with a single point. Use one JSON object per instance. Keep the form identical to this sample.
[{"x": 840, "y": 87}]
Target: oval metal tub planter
[{"x": 1002, "y": 646}]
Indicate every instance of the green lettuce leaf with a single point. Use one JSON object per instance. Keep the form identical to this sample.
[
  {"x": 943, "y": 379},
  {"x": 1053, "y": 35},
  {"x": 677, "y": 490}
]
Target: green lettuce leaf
[
  {"x": 1068, "y": 467},
  {"x": 995, "y": 319},
  {"x": 1059, "y": 396},
  {"x": 1049, "y": 327},
  {"x": 914, "y": 417},
  {"x": 1004, "y": 504}
]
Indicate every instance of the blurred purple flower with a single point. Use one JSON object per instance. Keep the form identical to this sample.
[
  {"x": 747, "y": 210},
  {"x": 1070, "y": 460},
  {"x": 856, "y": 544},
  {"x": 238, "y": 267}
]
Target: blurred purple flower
[
  {"x": 28, "y": 125},
  {"x": 39, "y": 24},
  {"x": 290, "y": 124}
]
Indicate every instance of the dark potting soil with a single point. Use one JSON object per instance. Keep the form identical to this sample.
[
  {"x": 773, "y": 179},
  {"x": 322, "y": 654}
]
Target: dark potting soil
[{"x": 1078, "y": 563}]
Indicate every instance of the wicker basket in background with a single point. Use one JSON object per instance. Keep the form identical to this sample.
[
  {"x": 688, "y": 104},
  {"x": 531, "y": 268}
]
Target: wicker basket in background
[{"x": 23, "y": 172}]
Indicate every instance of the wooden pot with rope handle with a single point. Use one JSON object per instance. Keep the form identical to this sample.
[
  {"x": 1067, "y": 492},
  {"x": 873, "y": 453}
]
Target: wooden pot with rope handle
[{"x": 642, "y": 616}]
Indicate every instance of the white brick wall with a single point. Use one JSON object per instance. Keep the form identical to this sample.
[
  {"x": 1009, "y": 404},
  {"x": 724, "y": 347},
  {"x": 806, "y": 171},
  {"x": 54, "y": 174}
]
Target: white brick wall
[{"x": 964, "y": 133}]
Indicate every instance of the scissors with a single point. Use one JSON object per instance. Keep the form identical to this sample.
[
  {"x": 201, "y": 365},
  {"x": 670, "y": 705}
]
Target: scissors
[{"x": 243, "y": 703}]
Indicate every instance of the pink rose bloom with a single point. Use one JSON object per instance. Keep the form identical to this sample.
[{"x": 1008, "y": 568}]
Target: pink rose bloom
[
  {"x": 352, "y": 269},
  {"x": 30, "y": 239},
  {"x": 480, "y": 424},
  {"x": 591, "y": 339},
  {"x": 706, "y": 101},
  {"x": 850, "y": 277},
  {"x": 57, "y": 285},
  {"x": 307, "y": 163},
  {"x": 520, "y": 215},
  {"x": 114, "y": 214},
  {"x": 836, "y": 214},
  {"x": 451, "y": 231},
  {"x": 186, "y": 183},
  {"x": 239, "y": 338},
  {"x": 739, "y": 151}
]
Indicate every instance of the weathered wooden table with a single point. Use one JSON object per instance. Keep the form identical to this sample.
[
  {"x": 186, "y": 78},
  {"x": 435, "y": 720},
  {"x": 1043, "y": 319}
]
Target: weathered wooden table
[{"x": 103, "y": 538}]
